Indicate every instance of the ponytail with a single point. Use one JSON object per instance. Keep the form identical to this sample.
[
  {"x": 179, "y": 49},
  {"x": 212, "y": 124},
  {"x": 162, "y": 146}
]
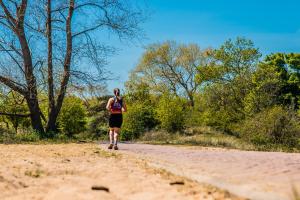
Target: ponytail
[{"x": 117, "y": 94}]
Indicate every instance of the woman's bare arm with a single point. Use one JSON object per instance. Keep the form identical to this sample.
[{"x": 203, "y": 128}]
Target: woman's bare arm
[
  {"x": 108, "y": 106},
  {"x": 124, "y": 107}
]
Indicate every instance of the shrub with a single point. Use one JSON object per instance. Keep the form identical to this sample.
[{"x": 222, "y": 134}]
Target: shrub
[
  {"x": 274, "y": 125},
  {"x": 72, "y": 118},
  {"x": 97, "y": 124},
  {"x": 139, "y": 118},
  {"x": 170, "y": 113}
]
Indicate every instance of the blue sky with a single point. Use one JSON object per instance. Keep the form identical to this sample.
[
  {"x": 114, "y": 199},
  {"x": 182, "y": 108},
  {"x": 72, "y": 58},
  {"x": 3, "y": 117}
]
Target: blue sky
[{"x": 273, "y": 25}]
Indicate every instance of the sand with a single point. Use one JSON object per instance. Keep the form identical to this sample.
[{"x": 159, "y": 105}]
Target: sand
[{"x": 69, "y": 171}]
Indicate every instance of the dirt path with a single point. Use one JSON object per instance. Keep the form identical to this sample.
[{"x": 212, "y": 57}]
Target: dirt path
[
  {"x": 68, "y": 171},
  {"x": 256, "y": 175}
]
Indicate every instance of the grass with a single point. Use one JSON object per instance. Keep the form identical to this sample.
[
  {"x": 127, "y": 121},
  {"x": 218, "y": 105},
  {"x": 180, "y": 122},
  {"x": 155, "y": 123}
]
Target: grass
[
  {"x": 208, "y": 137},
  {"x": 106, "y": 154},
  {"x": 30, "y": 137},
  {"x": 196, "y": 136}
]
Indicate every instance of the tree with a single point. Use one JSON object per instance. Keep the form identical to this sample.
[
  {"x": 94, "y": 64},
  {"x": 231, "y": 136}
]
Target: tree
[
  {"x": 171, "y": 67},
  {"x": 275, "y": 82},
  {"x": 227, "y": 81},
  {"x": 43, "y": 45}
]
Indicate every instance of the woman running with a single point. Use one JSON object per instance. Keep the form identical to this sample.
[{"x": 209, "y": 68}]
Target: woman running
[{"x": 116, "y": 106}]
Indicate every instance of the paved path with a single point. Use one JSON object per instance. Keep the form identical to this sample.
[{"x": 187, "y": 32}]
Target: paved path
[{"x": 256, "y": 175}]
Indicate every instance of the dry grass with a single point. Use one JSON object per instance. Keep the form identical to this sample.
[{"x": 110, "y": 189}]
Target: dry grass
[
  {"x": 208, "y": 137},
  {"x": 201, "y": 137}
]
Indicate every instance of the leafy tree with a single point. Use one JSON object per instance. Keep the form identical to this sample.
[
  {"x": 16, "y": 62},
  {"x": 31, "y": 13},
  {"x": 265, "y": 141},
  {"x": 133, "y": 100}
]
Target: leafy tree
[
  {"x": 275, "y": 82},
  {"x": 228, "y": 81}
]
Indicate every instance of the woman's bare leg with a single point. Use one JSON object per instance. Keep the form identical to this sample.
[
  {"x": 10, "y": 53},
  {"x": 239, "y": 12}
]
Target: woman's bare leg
[
  {"x": 116, "y": 134},
  {"x": 111, "y": 138}
]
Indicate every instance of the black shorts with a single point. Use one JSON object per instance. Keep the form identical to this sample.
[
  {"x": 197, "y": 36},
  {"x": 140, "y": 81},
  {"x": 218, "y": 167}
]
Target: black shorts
[{"x": 115, "y": 120}]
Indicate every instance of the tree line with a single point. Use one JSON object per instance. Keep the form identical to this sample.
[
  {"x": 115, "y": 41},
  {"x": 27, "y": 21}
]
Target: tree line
[{"x": 232, "y": 88}]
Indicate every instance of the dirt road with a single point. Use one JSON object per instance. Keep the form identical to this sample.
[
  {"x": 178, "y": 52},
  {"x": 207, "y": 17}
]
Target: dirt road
[
  {"x": 69, "y": 171},
  {"x": 256, "y": 175}
]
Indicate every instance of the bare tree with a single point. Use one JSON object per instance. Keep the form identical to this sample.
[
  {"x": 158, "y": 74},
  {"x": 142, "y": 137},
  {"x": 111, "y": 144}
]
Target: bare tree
[
  {"x": 171, "y": 66},
  {"x": 46, "y": 43}
]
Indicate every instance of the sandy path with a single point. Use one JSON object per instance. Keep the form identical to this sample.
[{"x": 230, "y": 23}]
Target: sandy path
[
  {"x": 256, "y": 175},
  {"x": 67, "y": 171}
]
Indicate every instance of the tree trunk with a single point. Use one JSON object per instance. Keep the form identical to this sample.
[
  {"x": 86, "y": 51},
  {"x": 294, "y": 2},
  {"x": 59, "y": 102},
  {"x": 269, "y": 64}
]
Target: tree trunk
[
  {"x": 53, "y": 114},
  {"x": 51, "y": 124},
  {"x": 31, "y": 94},
  {"x": 191, "y": 98},
  {"x": 35, "y": 115},
  {"x": 52, "y": 118}
]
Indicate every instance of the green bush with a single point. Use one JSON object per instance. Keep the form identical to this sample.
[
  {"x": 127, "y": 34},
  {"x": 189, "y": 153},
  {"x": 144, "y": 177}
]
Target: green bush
[
  {"x": 275, "y": 125},
  {"x": 97, "y": 121},
  {"x": 139, "y": 118},
  {"x": 72, "y": 118},
  {"x": 170, "y": 113}
]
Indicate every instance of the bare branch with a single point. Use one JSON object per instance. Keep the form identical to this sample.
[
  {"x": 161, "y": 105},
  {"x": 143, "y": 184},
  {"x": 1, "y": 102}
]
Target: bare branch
[
  {"x": 13, "y": 85},
  {"x": 11, "y": 20},
  {"x": 87, "y": 30},
  {"x": 14, "y": 115},
  {"x": 12, "y": 57}
]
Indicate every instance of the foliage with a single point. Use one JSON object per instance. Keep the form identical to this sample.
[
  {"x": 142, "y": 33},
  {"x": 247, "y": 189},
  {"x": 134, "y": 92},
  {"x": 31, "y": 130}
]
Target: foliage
[
  {"x": 275, "y": 82},
  {"x": 140, "y": 115},
  {"x": 171, "y": 113},
  {"x": 139, "y": 118},
  {"x": 273, "y": 125},
  {"x": 97, "y": 116},
  {"x": 14, "y": 105},
  {"x": 72, "y": 118},
  {"x": 228, "y": 82}
]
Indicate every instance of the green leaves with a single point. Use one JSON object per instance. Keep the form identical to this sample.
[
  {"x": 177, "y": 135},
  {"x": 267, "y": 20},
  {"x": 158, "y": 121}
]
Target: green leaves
[
  {"x": 72, "y": 118},
  {"x": 171, "y": 113}
]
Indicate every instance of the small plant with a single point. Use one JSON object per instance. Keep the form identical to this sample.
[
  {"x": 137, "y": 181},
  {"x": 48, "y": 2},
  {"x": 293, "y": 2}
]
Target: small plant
[
  {"x": 35, "y": 174},
  {"x": 106, "y": 154}
]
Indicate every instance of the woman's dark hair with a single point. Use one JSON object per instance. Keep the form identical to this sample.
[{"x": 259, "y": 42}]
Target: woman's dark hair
[{"x": 117, "y": 94}]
